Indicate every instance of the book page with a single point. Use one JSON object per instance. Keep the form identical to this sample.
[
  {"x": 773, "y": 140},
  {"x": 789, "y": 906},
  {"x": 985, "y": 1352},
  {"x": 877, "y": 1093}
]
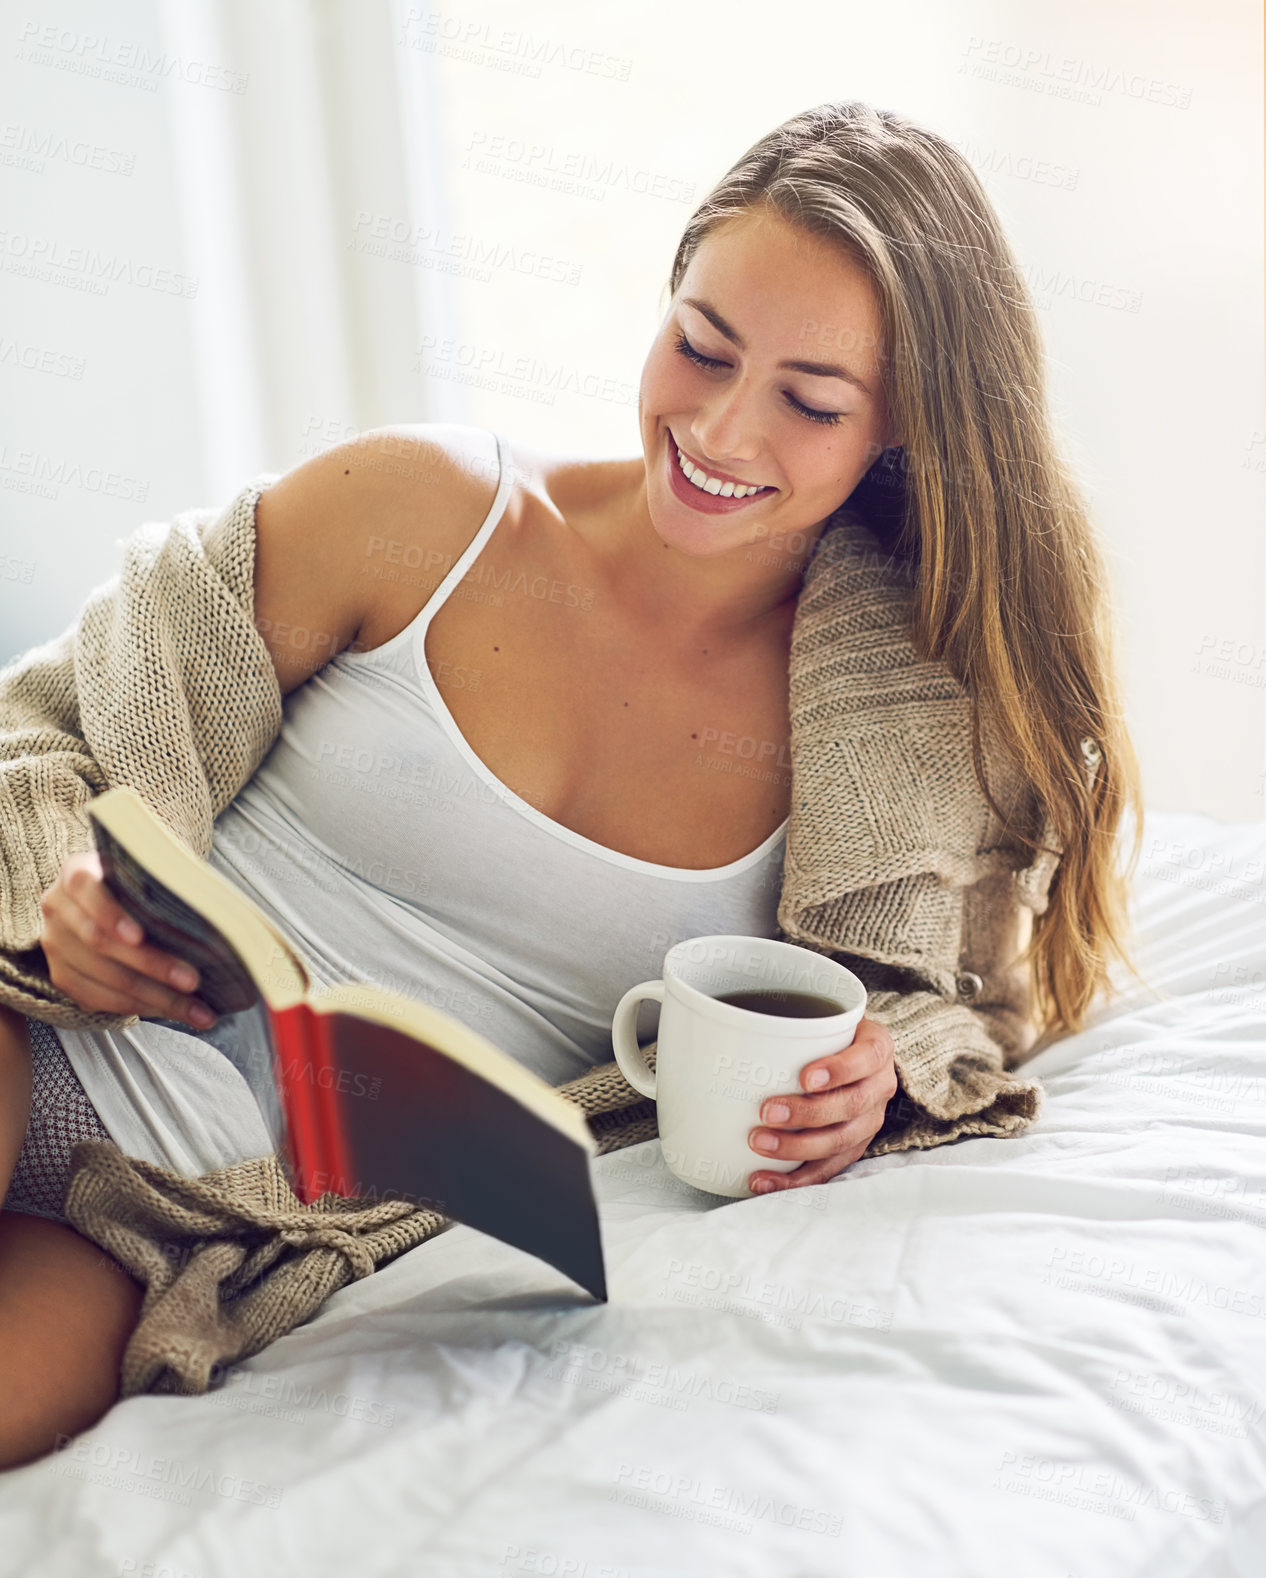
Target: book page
[{"x": 171, "y": 924}]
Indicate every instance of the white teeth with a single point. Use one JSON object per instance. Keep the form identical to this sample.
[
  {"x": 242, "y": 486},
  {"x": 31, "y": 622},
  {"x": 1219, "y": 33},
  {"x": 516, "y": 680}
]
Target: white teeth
[{"x": 714, "y": 485}]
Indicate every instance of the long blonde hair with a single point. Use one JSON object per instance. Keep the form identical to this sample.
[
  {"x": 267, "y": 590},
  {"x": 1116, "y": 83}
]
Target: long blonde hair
[{"x": 1011, "y": 589}]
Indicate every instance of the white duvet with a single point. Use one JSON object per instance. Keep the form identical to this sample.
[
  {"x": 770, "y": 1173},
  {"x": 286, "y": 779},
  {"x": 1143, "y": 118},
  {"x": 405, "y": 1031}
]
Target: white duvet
[{"x": 1042, "y": 1357}]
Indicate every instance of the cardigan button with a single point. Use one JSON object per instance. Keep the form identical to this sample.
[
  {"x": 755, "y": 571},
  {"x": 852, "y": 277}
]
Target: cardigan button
[{"x": 969, "y": 985}]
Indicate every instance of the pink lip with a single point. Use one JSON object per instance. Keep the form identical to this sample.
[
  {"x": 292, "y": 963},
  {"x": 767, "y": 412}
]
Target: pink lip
[{"x": 706, "y": 503}]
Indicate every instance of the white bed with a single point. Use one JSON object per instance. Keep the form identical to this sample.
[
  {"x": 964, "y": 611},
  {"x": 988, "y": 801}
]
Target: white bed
[{"x": 1042, "y": 1357}]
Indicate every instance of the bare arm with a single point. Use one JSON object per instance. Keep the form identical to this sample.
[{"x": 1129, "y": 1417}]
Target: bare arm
[
  {"x": 323, "y": 527},
  {"x": 316, "y": 529}
]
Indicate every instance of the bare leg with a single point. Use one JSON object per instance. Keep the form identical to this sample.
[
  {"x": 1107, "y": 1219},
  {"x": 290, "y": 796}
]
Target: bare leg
[
  {"x": 15, "y": 1091},
  {"x": 66, "y": 1309}
]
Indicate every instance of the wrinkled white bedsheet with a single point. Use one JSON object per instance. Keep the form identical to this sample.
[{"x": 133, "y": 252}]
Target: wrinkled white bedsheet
[{"x": 1042, "y": 1357}]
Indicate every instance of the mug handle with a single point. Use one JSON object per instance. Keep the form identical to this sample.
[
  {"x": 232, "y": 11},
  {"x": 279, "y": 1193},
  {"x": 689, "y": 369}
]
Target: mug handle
[{"x": 628, "y": 1054}]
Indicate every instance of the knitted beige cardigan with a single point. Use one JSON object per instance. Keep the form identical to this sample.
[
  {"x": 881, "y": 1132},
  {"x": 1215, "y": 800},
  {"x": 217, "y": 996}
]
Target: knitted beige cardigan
[{"x": 894, "y": 863}]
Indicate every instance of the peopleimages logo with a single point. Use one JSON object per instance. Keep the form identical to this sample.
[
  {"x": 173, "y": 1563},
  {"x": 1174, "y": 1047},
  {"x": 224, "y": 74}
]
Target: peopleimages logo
[
  {"x": 31, "y": 149},
  {"x": 147, "y": 1473},
  {"x": 570, "y": 170},
  {"x": 50, "y": 472},
  {"x": 1066, "y": 76},
  {"x": 1154, "y": 1286},
  {"x": 653, "y": 1381},
  {"x": 47, "y": 258},
  {"x": 402, "y": 241},
  {"x": 131, "y": 65},
  {"x": 506, "y": 48},
  {"x": 775, "y": 1302},
  {"x": 1098, "y": 1489},
  {"x": 696, "y": 1499},
  {"x": 41, "y": 359}
]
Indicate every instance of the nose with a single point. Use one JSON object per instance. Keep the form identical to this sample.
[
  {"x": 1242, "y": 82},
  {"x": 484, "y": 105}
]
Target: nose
[{"x": 726, "y": 427}]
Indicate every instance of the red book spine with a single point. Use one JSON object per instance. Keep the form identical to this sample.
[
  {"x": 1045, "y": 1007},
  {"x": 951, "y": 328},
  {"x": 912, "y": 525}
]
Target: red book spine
[{"x": 316, "y": 1144}]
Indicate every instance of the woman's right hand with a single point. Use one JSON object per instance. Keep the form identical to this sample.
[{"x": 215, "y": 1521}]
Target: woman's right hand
[{"x": 98, "y": 956}]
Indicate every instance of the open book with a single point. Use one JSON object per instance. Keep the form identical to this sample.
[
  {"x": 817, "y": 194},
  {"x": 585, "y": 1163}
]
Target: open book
[{"x": 365, "y": 1092}]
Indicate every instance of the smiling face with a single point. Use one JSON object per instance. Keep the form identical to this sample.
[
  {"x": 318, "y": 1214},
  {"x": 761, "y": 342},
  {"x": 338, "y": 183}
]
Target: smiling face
[{"x": 758, "y": 296}]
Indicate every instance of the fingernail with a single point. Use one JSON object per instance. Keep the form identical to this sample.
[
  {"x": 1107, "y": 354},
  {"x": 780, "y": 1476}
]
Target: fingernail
[
  {"x": 185, "y": 977},
  {"x": 761, "y": 1186},
  {"x": 766, "y": 1142},
  {"x": 202, "y": 1017},
  {"x": 818, "y": 1078},
  {"x": 129, "y": 930},
  {"x": 776, "y": 1112}
]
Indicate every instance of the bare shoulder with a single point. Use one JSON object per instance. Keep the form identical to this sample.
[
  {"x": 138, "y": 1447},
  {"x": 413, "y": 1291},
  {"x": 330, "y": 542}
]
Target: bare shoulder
[{"x": 391, "y": 495}]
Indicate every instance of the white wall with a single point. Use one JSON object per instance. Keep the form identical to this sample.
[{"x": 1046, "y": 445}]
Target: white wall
[{"x": 468, "y": 213}]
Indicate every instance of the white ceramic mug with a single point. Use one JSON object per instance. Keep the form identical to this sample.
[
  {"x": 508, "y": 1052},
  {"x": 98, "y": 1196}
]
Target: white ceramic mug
[{"x": 716, "y": 1063}]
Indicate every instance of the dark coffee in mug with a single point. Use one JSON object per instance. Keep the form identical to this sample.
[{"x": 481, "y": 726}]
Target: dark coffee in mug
[
  {"x": 714, "y": 1071},
  {"x": 787, "y": 1005}
]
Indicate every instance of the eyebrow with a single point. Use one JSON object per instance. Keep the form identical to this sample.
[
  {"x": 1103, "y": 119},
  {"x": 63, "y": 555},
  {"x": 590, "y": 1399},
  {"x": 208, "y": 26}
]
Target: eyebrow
[{"x": 816, "y": 369}]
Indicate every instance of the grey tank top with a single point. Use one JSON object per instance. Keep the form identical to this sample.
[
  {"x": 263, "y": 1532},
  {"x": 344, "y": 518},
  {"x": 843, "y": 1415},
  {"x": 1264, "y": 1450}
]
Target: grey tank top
[{"x": 379, "y": 842}]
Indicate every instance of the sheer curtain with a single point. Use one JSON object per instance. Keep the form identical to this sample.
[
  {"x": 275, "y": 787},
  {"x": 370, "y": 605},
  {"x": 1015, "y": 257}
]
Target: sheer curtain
[{"x": 308, "y": 333}]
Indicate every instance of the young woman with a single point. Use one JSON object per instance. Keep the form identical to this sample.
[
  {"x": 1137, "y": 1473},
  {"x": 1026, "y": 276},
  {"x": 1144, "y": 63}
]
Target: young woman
[{"x": 846, "y": 323}]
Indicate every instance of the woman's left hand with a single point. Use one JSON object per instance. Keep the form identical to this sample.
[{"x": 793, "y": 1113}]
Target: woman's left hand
[{"x": 829, "y": 1127}]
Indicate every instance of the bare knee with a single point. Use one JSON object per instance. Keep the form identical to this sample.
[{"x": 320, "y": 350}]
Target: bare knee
[{"x": 66, "y": 1313}]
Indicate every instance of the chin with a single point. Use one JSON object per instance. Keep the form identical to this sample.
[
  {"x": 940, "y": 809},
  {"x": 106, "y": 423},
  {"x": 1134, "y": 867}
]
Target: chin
[{"x": 702, "y": 540}]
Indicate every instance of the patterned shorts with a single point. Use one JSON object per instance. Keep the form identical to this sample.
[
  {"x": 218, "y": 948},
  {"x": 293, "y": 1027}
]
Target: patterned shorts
[{"x": 61, "y": 1116}]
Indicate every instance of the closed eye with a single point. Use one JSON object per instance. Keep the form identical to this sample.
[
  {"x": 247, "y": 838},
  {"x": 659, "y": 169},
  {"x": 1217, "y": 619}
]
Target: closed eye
[{"x": 688, "y": 351}]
